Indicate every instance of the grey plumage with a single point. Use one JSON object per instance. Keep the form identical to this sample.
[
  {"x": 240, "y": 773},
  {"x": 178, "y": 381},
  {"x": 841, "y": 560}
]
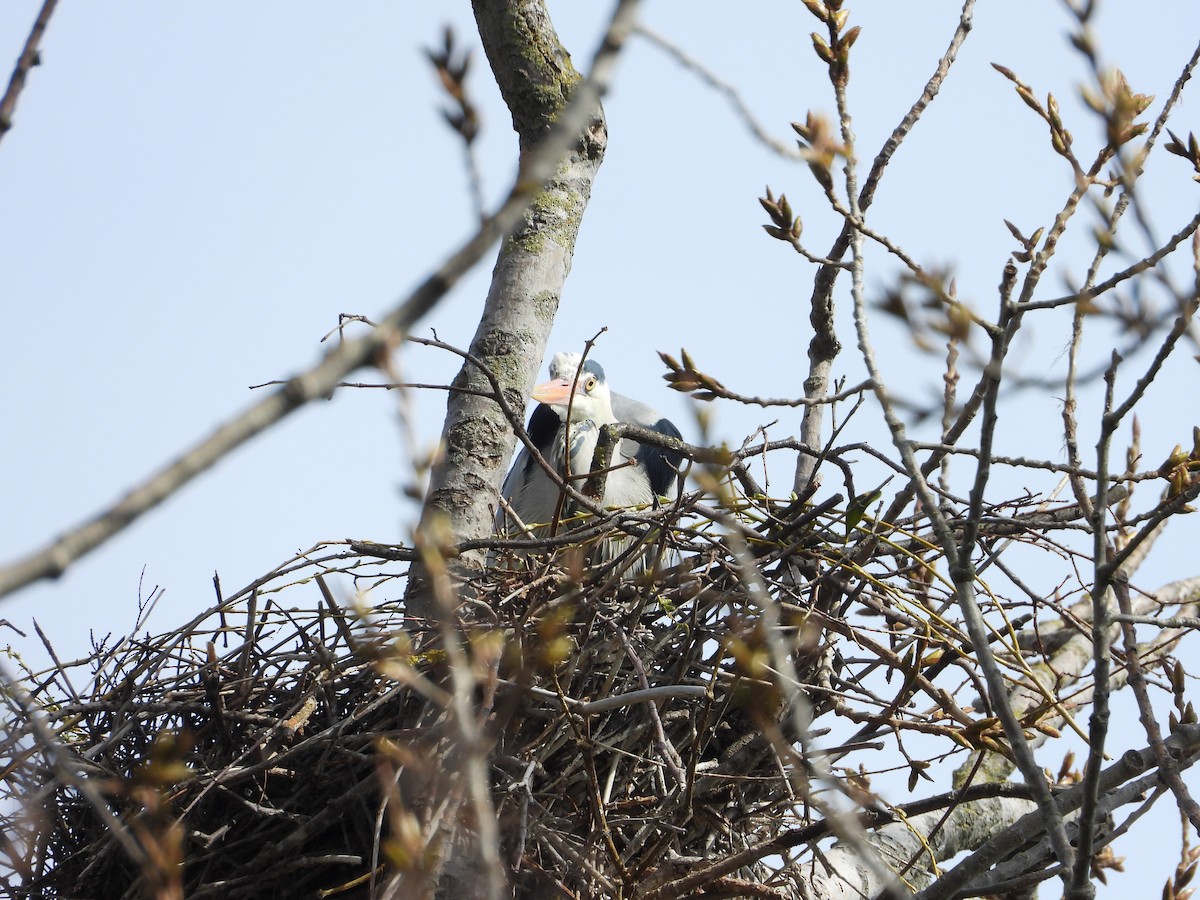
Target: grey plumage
[{"x": 533, "y": 496}]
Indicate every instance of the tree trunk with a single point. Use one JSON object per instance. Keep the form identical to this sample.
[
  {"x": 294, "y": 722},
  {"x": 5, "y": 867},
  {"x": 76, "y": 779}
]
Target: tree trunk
[{"x": 536, "y": 79}]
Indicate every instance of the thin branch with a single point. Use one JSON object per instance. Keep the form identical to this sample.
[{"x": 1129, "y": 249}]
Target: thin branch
[
  {"x": 824, "y": 345},
  {"x": 1137, "y": 681},
  {"x": 1126, "y": 771},
  {"x": 723, "y": 87},
  {"x": 1142, "y": 265},
  {"x": 1101, "y": 591},
  {"x": 29, "y": 58},
  {"x": 66, "y": 766}
]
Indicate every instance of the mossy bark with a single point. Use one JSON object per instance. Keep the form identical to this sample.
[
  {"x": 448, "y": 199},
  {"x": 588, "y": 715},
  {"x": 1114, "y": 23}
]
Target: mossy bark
[{"x": 536, "y": 78}]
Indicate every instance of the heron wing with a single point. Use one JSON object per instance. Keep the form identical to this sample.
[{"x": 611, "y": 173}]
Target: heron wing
[
  {"x": 527, "y": 488},
  {"x": 661, "y": 465}
]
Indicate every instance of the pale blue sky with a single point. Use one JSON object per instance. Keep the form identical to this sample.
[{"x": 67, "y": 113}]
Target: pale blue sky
[{"x": 194, "y": 192}]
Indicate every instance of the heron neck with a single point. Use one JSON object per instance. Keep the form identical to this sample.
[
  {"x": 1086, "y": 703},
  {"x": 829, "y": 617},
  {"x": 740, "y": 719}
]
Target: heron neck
[{"x": 581, "y": 438}]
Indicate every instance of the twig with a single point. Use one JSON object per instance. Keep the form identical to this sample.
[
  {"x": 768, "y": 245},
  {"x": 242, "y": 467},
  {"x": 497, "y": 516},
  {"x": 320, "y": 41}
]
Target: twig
[
  {"x": 723, "y": 87},
  {"x": 29, "y": 58},
  {"x": 58, "y": 757}
]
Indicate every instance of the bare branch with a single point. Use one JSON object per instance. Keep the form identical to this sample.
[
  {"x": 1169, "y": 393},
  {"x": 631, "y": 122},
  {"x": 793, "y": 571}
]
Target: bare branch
[
  {"x": 723, "y": 87},
  {"x": 27, "y": 60}
]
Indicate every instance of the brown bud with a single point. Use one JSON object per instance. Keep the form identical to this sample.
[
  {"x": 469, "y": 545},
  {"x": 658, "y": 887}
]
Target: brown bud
[{"x": 822, "y": 48}]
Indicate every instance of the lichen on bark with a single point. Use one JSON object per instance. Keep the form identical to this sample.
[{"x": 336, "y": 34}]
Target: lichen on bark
[{"x": 536, "y": 78}]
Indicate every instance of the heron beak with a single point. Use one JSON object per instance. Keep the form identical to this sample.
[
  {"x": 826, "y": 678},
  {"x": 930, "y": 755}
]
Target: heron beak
[{"x": 553, "y": 393}]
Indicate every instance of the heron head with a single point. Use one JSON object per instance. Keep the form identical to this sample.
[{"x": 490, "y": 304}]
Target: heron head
[
  {"x": 585, "y": 393},
  {"x": 565, "y": 364}
]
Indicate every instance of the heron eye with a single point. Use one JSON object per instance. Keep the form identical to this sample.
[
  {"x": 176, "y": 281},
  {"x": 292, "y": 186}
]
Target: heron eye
[{"x": 590, "y": 383}]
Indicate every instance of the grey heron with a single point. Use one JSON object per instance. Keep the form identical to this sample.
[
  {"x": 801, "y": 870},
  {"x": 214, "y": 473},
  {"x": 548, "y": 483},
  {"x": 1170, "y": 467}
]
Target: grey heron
[{"x": 641, "y": 472}]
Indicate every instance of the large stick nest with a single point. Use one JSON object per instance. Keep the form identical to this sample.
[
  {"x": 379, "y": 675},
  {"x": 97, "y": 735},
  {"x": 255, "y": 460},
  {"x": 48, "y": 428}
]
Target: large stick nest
[
  {"x": 309, "y": 737},
  {"x": 302, "y": 743}
]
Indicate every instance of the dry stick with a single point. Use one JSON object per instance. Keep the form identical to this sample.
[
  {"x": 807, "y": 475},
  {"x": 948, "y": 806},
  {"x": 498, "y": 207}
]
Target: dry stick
[
  {"x": 319, "y": 381},
  {"x": 581, "y": 732},
  {"x": 58, "y": 666},
  {"x": 842, "y": 823},
  {"x": 1023, "y": 462},
  {"x": 805, "y": 834},
  {"x": 59, "y": 758},
  {"x": 567, "y": 475},
  {"x": 27, "y": 60},
  {"x": 714, "y": 390},
  {"x": 1070, "y": 431},
  {"x": 648, "y": 696},
  {"x": 666, "y": 750}
]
